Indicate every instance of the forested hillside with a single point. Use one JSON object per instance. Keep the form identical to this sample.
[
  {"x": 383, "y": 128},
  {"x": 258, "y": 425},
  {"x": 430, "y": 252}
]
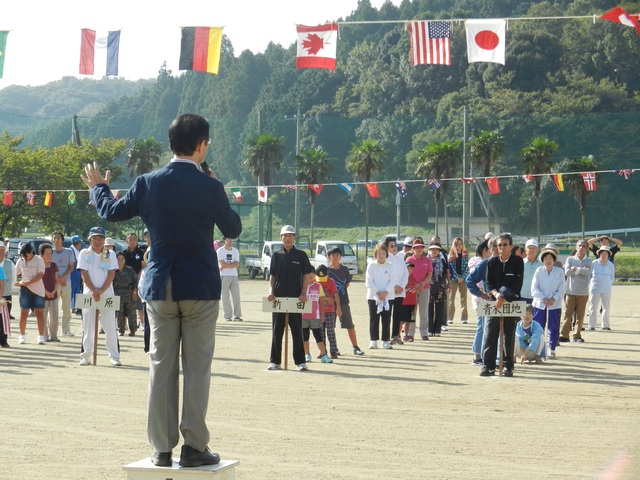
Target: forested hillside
[{"x": 574, "y": 82}]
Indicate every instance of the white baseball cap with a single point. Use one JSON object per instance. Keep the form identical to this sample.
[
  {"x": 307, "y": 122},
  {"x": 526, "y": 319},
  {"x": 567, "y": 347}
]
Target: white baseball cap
[
  {"x": 287, "y": 229},
  {"x": 531, "y": 242}
]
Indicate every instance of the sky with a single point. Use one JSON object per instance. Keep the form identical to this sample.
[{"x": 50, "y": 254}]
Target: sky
[{"x": 44, "y": 39}]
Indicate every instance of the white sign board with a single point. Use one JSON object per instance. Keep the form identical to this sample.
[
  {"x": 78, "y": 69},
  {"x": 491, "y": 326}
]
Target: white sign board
[
  {"x": 286, "y": 305},
  {"x": 508, "y": 309},
  {"x": 106, "y": 302}
]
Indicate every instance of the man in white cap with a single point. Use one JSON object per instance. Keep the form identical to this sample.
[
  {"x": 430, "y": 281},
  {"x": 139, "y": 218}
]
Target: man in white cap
[
  {"x": 291, "y": 274},
  {"x": 531, "y": 264}
]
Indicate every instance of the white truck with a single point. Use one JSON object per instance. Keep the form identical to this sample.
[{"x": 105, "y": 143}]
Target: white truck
[
  {"x": 259, "y": 266},
  {"x": 349, "y": 258}
]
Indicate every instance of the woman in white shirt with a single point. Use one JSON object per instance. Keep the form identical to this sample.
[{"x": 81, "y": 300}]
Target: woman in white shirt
[
  {"x": 547, "y": 289},
  {"x": 30, "y": 268},
  {"x": 380, "y": 281}
]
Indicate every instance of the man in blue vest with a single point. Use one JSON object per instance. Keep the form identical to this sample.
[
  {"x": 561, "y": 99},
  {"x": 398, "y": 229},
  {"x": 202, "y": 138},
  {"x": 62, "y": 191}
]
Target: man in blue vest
[{"x": 180, "y": 205}]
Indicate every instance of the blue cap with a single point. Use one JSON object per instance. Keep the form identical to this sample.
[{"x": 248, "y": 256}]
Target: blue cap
[
  {"x": 75, "y": 239},
  {"x": 97, "y": 231}
]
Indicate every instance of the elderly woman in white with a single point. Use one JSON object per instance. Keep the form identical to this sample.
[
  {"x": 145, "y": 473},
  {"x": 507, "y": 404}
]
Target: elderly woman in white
[{"x": 547, "y": 289}]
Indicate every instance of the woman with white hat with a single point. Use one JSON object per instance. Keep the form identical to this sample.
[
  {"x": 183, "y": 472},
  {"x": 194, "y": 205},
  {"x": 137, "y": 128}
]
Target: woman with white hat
[
  {"x": 547, "y": 289},
  {"x": 603, "y": 273}
]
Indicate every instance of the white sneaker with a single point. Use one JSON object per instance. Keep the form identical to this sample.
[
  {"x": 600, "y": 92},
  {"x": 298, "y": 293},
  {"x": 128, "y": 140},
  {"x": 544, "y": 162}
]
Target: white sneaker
[
  {"x": 302, "y": 367},
  {"x": 444, "y": 328},
  {"x": 387, "y": 345},
  {"x": 273, "y": 366},
  {"x": 464, "y": 322},
  {"x": 69, "y": 334},
  {"x": 552, "y": 355},
  {"x": 115, "y": 362},
  {"x": 23, "y": 339},
  {"x": 373, "y": 344},
  {"x": 84, "y": 361},
  {"x": 450, "y": 322},
  {"x": 42, "y": 340}
]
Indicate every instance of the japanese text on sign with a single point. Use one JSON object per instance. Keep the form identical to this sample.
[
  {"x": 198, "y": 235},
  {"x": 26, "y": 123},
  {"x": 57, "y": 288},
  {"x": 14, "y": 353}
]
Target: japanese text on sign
[
  {"x": 285, "y": 305},
  {"x": 508, "y": 309},
  {"x": 106, "y": 302}
]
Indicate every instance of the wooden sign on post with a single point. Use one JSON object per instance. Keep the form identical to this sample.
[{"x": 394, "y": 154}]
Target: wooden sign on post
[
  {"x": 106, "y": 302},
  {"x": 286, "y": 305},
  {"x": 508, "y": 309}
]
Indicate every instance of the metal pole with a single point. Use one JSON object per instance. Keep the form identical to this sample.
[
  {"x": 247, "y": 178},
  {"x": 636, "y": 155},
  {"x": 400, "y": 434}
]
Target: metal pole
[
  {"x": 465, "y": 185},
  {"x": 296, "y": 192},
  {"x": 260, "y": 183},
  {"x": 397, "y": 216}
]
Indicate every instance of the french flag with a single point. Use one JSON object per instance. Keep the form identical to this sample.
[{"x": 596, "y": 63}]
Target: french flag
[{"x": 99, "y": 52}]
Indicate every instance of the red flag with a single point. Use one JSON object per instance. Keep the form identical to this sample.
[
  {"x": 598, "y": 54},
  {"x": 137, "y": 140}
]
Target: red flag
[
  {"x": 589, "y": 179},
  {"x": 618, "y": 15},
  {"x": 372, "y": 188},
  {"x": 317, "y": 46},
  {"x": 48, "y": 199},
  {"x": 8, "y": 198},
  {"x": 527, "y": 178},
  {"x": 494, "y": 186},
  {"x": 31, "y": 197},
  {"x": 316, "y": 187},
  {"x": 557, "y": 179},
  {"x": 468, "y": 180},
  {"x": 430, "y": 43}
]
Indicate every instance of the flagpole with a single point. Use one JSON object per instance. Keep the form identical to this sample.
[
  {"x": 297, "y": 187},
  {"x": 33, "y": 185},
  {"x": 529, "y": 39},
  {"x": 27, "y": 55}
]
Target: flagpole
[{"x": 465, "y": 186}]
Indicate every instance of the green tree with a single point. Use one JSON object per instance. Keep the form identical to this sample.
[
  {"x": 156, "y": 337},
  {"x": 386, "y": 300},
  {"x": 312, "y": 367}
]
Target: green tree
[
  {"x": 537, "y": 161},
  {"x": 437, "y": 161},
  {"x": 364, "y": 159},
  {"x": 262, "y": 154},
  {"x": 486, "y": 150},
  {"x": 143, "y": 156},
  {"x": 314, "y": 167},
  {"x": 575, "y": 182}
]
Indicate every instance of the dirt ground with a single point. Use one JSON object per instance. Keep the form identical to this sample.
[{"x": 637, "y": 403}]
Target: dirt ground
[{"x": 419, "y": 411}]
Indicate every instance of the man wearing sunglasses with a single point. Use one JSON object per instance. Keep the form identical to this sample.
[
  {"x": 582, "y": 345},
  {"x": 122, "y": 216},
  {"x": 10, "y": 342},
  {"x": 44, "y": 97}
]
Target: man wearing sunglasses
[{"x": 504, "y": 282}]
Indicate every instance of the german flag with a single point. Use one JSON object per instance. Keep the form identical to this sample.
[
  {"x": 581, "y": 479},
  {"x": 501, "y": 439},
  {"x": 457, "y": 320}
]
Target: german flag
[{"x": 200, "y": 49}]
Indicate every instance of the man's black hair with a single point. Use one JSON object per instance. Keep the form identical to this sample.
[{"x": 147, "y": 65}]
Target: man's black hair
[{"x": 186, "y": 132}]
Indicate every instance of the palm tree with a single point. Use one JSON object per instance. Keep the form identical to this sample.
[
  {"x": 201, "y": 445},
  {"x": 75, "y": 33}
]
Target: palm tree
[
  {"x": 313, "y": 166},
  {"x": 263, "y": 153},
  {"x": 486, "y": 150},
  {"x": 143, "y": 156},
  {"x": 363, "y": 160},
  {"x": 436, "y": 161},
  {"x": 537, "y": 160},
  {"x": 576, "y": 182}
]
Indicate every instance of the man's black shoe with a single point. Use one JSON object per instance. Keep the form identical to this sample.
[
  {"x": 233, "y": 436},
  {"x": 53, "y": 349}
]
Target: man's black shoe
[
  {"x": 564, "y": 340},
  {"x": 190, "y": 457},
  {"x": 507, "y": 372},
  {"x": 485, "y": 372},
  {"x": 162, "y": 459}
]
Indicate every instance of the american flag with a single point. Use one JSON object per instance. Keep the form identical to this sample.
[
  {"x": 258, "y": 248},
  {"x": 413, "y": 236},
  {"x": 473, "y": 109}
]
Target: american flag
[
  {"x": 589, "y": 181},
  {"x": 402, "y": 189},
  {"x": 435, "y": 184},
  {"x": 430, "y": 43},
  {"x": 31, "y": 197}
]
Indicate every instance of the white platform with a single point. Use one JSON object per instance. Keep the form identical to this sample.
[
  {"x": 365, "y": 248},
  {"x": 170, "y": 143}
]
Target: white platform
[{"x": 145, "y": 470}]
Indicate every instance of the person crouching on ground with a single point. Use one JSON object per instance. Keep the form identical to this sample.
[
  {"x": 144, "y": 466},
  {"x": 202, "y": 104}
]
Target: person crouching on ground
[
  {"x": 547, "y": 288},
  {"x": 530, "y": 345},
  {"x": 98, "y": 266}
]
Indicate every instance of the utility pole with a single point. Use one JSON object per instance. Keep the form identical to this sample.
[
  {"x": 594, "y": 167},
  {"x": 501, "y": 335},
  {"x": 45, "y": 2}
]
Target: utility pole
[
  {"x": 260, "y": 184},
  {"x": 465, "y": 185},
  {"x": 75, "y": 133},
  {"x": 296, "y": 204}
]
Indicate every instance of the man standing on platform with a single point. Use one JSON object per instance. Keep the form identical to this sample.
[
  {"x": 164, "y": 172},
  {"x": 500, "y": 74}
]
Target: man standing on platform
[
  {"x": 291, "y": 274},
  {"x": 504, "y": 282},
  {"x": 180, "y": 205}
]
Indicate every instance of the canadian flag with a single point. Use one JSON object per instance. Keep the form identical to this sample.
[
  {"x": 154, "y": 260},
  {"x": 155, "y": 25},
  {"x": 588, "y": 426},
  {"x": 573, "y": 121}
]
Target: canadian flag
[
  {"x": 317, "y": 46},
  {"x": 618, "y": 15},
  {"x": 486, "y": 40}
]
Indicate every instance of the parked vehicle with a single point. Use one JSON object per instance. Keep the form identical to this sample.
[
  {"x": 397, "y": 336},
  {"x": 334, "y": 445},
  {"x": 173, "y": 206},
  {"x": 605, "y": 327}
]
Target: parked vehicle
[
  {"x": 259, "y": 266},
  {"x": 348, "y": 259},
  {"x": 361, "y": 244}
]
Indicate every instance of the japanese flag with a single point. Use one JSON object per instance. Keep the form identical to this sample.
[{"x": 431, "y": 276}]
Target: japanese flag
[{"x": 486, "y": 40}]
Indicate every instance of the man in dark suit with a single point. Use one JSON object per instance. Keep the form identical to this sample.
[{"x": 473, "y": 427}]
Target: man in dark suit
[{"x": 179, "y": 204}]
